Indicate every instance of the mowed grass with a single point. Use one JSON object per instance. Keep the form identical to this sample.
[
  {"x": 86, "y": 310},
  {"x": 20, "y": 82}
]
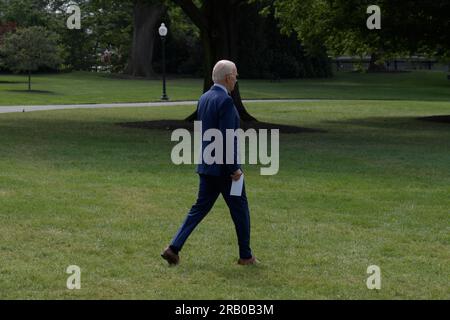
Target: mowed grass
[
  {"x": 76, "y": 189},
  {"x": 83, "y": 87}
]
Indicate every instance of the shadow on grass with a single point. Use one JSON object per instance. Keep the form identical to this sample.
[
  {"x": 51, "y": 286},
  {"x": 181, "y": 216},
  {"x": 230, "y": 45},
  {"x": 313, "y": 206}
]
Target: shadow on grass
[
  {"x": 171, "y": 125},
  {"x": 400, "y": 123},
  {"x": 441, "y": 119},
  {"x": 32, "y": 91},
  {"x": 102, "y": 145},
  {"x": 12, "y": 82}
]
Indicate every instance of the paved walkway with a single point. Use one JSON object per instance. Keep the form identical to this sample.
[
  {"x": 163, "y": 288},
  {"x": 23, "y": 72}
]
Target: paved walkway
[{"x": 12, "y": 109}]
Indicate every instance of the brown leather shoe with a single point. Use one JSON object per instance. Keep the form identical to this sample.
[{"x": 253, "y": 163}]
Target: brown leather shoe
[
  {"x": 250, "y": 261},
  {"x": 171, "y": 257}
]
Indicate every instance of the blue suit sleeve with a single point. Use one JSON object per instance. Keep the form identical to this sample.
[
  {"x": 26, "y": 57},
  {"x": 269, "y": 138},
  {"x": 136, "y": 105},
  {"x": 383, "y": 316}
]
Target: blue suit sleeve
[{"x": 227, "y": 120}]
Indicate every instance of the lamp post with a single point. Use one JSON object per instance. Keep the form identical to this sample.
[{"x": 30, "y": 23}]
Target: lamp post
[{"x": 163, "y": 32}]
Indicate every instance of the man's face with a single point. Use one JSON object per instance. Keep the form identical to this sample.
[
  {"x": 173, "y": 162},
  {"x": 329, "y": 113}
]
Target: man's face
[{"x": 231, "y": 80}]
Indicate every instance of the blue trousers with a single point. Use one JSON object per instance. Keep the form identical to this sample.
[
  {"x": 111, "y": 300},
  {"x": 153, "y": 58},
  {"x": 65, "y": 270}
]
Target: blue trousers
[{"x": 209, "y": 189}]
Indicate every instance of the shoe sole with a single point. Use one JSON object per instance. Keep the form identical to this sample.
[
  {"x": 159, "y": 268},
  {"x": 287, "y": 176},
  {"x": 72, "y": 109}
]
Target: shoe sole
[{"x": 170, "y": 261}]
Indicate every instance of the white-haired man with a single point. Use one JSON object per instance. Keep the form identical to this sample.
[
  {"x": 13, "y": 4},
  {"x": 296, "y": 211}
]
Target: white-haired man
[{"x": 216, "y": 110}]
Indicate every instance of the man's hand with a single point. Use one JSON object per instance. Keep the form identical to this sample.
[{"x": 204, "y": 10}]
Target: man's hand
[{"x": 236, "y": 175}]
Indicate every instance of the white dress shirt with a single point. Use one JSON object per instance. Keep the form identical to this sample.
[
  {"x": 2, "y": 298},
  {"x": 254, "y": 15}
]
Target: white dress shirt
[{"x": 222, "y": 87}]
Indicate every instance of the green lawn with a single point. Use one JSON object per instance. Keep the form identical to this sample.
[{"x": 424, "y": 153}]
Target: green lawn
[
  {"x": 82, "y": 87},
  {"x": 373, "y": 189}
]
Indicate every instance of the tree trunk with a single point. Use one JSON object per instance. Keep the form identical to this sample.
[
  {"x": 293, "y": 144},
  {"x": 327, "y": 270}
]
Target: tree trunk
[
  {"x": 373, "y": 66},
  {"x": 219, "y": 34},
  {"x": 145, "y": 18},
  {"x": 29, "y": 80}
]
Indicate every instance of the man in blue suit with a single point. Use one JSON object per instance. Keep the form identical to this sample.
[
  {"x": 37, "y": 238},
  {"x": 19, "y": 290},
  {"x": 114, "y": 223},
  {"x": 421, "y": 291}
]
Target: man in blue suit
[{"x": 216, "y": 110}]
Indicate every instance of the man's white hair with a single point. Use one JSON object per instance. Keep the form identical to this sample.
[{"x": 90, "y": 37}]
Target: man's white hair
[{"x": 222, "y": 69}]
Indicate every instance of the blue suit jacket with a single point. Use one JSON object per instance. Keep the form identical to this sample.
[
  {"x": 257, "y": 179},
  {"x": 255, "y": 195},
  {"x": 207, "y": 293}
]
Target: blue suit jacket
[{"x": 216, "y": 110}]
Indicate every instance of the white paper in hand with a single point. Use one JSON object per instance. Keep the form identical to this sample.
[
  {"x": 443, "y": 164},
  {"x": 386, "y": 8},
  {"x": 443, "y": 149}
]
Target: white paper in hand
[{"x": 236, "y": 187}]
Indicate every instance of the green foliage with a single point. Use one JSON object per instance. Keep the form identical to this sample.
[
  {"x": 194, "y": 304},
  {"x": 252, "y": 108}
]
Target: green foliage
[
  {"x": 111, "y": 24},
  {"x": 406, "y": 26},
  {"x": 261, "y": 52},
  {"x": 339, "y": 25},
  {"x": 26, "y": 13},
  {"x": 266, "y": 53},
  {"x": 29, "y": 49},
  {"x": 184, "y": 53},
  {"x": 34, "y": 13},
  {"x": 104, "y": 25}
]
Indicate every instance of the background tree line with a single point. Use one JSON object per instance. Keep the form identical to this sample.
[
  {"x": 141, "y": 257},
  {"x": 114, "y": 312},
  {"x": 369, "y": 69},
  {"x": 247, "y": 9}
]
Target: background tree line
[
  {"x": 128, "y": 31},
  {"x": 290, "y": 39}
]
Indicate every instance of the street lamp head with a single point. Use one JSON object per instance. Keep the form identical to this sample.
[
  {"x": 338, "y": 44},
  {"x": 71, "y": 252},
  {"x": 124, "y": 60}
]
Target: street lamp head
[{"x": 163, "y": 30}]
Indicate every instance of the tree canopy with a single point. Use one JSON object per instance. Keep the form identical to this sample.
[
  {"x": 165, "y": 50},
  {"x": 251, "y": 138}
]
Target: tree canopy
[
  {"x": 407, "y": 26},
  {"x": 28, "y": 49}
]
